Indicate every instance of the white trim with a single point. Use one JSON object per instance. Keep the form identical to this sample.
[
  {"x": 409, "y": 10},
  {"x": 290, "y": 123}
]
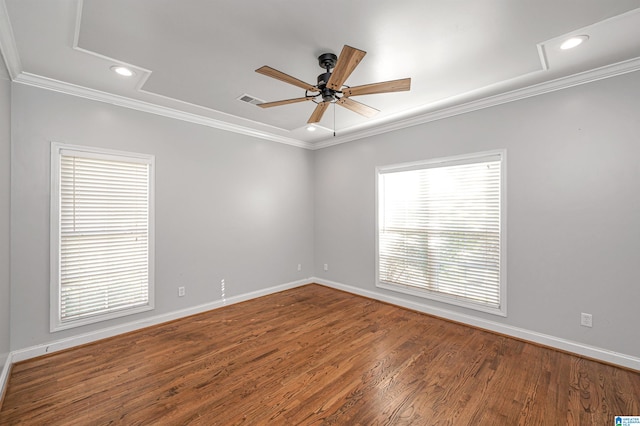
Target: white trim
[
  {"x": 607, "y": 71},
  {"x": 542, "y": 55},
  {"x": 454, "y": 160},
  {"x": 604, "y": 72},
  {"x": 596, "y": 74},
  {"x": 97, "y": 95},
  {"x": 581, "y": 349},
  {"x": 4, "y": 375},
  {"x": 81, "y": 339}
]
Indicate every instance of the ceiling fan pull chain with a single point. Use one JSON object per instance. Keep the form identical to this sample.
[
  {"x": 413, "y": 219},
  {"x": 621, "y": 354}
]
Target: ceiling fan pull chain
[{"x": 334, "y": 119}]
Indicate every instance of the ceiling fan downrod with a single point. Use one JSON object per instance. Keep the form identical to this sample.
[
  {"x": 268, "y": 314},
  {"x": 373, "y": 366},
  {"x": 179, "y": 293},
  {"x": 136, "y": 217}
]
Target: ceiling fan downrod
[{"x": 328, "y": 62}]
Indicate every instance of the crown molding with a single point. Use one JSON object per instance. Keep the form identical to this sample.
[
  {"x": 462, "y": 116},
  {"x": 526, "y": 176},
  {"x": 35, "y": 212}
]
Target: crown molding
[
  {"x": 604, "y": 72},
  {"x": 624, "y": 67},
  {"x": 97, "y": 95}
]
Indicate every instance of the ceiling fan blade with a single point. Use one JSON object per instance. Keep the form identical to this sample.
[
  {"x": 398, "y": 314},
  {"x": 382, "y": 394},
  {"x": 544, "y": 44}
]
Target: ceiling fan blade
[
  {"x": 358, "y": 107},
  {"x": 348, "y": 60},
  {"x": 384, "y": 87},
  {"x": 279, "y": 75},
  {"x": 318, "y": 112},
  {"x": 284, "y": 102}
]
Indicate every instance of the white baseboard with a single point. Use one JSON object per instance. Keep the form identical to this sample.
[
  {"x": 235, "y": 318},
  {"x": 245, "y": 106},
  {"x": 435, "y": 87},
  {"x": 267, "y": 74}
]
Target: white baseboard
[
  {"x": 4, "y": 376},
  {"x": 577, "y": 348},
  {"x": 81, "y": 339}
]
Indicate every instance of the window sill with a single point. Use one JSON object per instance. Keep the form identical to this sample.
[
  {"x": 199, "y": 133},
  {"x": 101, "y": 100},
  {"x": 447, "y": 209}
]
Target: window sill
[
  {"x": 59, "y": 326},
  {"x": 451, "y": 300}
]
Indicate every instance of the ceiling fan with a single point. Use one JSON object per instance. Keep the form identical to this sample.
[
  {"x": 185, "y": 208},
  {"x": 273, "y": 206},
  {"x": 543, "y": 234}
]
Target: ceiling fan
[{"x": 331, "y": 87}]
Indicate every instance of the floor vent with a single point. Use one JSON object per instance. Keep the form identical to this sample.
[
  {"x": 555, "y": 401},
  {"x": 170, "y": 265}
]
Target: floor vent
[{"x": 250, "y": 99}]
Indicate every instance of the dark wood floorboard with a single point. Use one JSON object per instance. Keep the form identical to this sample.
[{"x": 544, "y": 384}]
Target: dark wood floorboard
[{"x": 316, "y": 356}]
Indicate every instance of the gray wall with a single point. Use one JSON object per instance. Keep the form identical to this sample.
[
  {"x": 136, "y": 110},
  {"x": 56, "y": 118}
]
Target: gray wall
[
  {"x": 227, "y": 206},
  {"x": 246, "y": 210},
  {"x": 5, "y": 186},
  {"x": 573, "y": 206}
]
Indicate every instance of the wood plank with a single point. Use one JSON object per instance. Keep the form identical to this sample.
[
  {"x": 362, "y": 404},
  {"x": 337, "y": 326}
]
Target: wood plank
[
  {"x": 284, "y": 102},
  {"x": 348, "y": 60},
  {"x": 279, "y": 75},
  {"x": 318, "y": 112},
  {"x": 401, "y": 85},
  {"x": 358, "y": 107},
  {"x": 315, "y": 355}
]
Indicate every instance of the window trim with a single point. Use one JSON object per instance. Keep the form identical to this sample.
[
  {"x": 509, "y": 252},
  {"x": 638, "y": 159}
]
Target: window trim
[
  {"x": 55, "y": 322},
  {"x": 442, "y": 162}
]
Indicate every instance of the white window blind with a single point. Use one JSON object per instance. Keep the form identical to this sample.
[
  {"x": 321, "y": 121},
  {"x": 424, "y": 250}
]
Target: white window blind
[
  {"x": 439, "y": 230},
  {"x": 104, "y": 235}
]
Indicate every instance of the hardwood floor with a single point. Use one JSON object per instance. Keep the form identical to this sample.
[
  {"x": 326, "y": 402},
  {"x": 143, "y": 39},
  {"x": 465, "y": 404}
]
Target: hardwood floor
[{"x": 314, "y": 355}]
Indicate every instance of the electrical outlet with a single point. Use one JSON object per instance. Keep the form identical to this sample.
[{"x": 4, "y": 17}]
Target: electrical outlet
[
  {"x": 326, "y": 266},
  {"x": 180, "y": 291},
  {"x": 299, "y": 266},
  {"x": 586, "y": 320}
]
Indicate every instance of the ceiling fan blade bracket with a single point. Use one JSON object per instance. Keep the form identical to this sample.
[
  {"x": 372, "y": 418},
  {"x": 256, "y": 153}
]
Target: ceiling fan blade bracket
[{"x": 307, "y": 95}]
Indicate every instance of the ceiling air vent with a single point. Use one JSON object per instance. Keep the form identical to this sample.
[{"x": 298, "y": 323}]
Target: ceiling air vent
[{"x": 250, "y": 99}]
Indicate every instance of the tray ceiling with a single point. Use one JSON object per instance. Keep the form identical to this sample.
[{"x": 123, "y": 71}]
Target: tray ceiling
[{"x": 193, "y": 59}]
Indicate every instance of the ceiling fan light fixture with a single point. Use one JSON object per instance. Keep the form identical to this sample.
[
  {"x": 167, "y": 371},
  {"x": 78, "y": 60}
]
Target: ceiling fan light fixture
[
  {"x": 311, "y": 128},
  {"x": 574, "y": 41},
  {"x": 123, "y": 71}
]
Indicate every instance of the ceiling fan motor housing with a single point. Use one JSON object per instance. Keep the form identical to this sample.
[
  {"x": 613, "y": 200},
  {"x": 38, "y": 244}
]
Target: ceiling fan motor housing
[
  {"x": 328, "y": 95},
  {"x": 323, "y": 79}
]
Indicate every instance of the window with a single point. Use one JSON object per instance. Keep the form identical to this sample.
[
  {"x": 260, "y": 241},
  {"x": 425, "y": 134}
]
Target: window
[
  {"x": 441, "y": 230},
  {"x": 101, "y": 234}
]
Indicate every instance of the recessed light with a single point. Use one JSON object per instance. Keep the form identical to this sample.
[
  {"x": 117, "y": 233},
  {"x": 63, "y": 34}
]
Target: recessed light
[
  {"x": 311, "y": 128},
  {"x": 572, "y": 42},
  {"x": 123, "y": 71}
]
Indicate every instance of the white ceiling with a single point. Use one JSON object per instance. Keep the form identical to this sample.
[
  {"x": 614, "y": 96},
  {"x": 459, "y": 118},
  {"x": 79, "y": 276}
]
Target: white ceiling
[{"x": 194, "y": 58}]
